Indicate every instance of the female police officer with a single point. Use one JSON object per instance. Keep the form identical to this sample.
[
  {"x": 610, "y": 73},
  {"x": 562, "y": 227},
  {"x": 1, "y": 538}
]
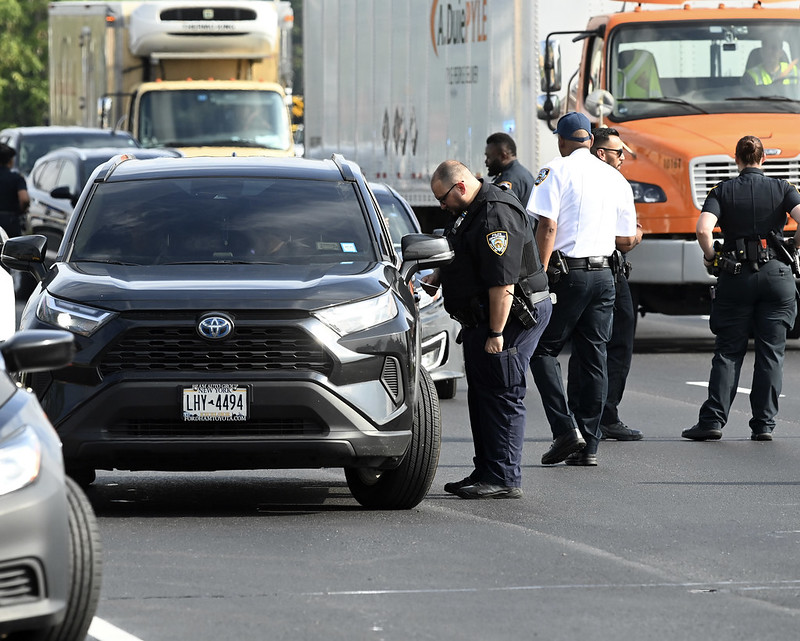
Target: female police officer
[{"x": 755, "y": 290}]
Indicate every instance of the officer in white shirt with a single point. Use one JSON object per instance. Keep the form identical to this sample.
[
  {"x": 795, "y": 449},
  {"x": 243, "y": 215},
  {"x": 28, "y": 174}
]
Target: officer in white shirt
[{"x": 585, "y": 209}]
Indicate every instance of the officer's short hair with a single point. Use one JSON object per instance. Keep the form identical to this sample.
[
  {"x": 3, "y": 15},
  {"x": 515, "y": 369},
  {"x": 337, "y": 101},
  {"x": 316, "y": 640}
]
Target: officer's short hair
[
  {"x": 504, "y": 141},
  {"x": 6, "y": 154},
  {"x": 601, "y": 136}
]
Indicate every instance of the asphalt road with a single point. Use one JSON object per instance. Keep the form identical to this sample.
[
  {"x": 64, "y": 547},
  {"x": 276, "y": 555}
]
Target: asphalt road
[{"x": 665, "y": 540}]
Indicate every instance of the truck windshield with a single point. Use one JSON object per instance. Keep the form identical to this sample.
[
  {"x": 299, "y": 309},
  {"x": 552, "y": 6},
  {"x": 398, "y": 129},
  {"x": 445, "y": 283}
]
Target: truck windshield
[
  {"x": 670, "y": 69},
  {"x": 214, "y": 117}
]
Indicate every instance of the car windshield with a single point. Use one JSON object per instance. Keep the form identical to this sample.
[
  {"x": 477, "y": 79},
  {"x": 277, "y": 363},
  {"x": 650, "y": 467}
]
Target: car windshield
[
  {"x": 216, "y": 118},
  {"x": 34, "y": 147},
  {"x": 229, "y": 220},
  {"x": 705, "y": 67}
]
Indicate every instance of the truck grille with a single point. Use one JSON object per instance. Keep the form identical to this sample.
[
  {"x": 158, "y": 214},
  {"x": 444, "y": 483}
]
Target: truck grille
[
  {"x": 180, "y": 349},
  {"x": 198, "y": 13},
  {"x": 18, "y": 584},
  {"x": 708, "y": 171}
]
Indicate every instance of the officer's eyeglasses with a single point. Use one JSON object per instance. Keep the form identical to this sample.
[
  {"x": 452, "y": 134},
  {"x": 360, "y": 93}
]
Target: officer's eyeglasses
[
  {"x": 619, "y": 151},
  {"x": 447, "y": 193}
]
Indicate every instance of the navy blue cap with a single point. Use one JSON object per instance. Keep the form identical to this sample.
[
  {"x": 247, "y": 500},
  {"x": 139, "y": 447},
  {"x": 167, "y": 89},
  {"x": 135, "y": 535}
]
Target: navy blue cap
[{"x": 569, "y": 123}]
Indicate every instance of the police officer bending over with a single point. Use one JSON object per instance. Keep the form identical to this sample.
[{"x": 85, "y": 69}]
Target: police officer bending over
[
  {"x": 755, "y": 290},
  {"x": 496, "y": 287}
]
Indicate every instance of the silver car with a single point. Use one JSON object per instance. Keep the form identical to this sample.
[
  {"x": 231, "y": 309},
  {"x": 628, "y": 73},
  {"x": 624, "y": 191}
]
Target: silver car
[
  {"x": 441, "y": 355},
  {"x": 49, "y": 541}
]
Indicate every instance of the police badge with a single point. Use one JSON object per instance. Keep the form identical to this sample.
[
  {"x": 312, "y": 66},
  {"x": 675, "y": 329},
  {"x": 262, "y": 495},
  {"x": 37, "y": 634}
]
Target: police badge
[
  {"x": 542, "y": 175},
  {"x": 498, "y": 241}
]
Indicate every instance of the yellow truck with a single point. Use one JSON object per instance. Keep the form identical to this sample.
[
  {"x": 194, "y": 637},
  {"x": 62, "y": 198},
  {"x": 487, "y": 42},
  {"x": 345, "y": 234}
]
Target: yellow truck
[{"x": 208, "y": 79}]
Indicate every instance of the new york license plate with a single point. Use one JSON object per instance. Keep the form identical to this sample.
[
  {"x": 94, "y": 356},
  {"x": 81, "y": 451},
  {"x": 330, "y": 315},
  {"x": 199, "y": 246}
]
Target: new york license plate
[{"x": 215, "y": 402}]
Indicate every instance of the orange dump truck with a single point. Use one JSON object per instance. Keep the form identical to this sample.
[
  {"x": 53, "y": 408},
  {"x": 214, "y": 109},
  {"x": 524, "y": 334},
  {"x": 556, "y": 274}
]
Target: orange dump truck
[{"x": 683, "y": 84}]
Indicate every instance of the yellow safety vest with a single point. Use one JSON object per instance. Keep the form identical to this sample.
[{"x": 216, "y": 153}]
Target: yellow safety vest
[{"x": 761, "y": 76}]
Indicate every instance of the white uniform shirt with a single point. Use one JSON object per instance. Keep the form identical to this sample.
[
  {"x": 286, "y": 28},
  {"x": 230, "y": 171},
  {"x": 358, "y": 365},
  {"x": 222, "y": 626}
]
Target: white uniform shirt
[{"x": 590, "y": 201}]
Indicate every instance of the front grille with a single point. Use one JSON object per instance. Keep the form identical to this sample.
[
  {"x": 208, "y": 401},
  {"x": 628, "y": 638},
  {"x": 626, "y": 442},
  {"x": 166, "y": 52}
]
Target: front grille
[
  {"x": 707, "y": 172},
  {"x": 222, "y": 429},
  {"x": 198, "y": 13},
  {"x": 19, "y": 583},
  {"x": 181, "y": 349}
]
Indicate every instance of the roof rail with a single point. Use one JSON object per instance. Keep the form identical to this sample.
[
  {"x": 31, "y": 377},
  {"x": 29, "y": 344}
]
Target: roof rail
[{"x": 344, "y": 168}]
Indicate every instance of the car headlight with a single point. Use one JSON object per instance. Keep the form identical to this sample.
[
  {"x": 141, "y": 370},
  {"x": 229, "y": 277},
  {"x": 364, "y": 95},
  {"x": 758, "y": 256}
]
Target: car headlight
[
  {"x": 647, "y": 193},
  {"x": 353, "y": 317},
  {"x": 20, "y": 459},
  {"x": 78, "y": 319}
]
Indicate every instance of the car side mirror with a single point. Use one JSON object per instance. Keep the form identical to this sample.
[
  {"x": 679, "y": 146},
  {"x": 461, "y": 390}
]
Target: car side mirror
[
  {"x": 38, "y": 350},
  {"x": 64, "y": 193},
  {"x": 421, "y": 251},
  {"x": 26, "y": 253}
]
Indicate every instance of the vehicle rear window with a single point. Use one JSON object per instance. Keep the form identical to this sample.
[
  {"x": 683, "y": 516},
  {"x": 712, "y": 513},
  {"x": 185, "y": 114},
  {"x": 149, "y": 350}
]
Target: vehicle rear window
[
  {"x": 34, "y": 147},
  {"x": 206, "y": 220}
]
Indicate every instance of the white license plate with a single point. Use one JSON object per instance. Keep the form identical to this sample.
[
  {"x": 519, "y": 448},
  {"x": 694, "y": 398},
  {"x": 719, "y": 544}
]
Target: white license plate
[{"x": 215, "y": 402}]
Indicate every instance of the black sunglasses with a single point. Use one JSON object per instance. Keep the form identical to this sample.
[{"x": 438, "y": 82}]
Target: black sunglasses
[
  {"x": 447, "y": 193},
  {"x": 619, "y": 151}
]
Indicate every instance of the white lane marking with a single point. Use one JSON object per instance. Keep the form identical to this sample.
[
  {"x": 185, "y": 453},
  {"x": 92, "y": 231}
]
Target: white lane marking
[
  {"x": 105, "y": 631},
  {"x": 711, "y": 586},
  {"x": 739, "y": 390}
]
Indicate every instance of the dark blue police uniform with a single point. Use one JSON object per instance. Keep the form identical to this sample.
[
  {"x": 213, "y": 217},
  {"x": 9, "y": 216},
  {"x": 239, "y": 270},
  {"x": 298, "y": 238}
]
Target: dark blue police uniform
[
  {"x": 11, "y": 183},
  {"x": 517, "y": 179},
  {"x": 494, "y": 245},
  {"x": 760, "y": 298}
]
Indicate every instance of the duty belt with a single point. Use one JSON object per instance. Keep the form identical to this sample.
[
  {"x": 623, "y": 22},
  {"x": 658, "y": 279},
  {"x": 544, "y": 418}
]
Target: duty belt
[{"x": 590, "y": 262}]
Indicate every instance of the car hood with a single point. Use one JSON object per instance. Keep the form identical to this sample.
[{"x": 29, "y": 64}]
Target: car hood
[{"x": 175, "y": 287}]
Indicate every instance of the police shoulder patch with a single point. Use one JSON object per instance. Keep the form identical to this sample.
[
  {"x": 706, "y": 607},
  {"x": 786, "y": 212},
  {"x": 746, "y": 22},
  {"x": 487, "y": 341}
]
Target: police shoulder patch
[
  {"x": 541, "y": 176},
  {"x": 505, "y": 184},
  {"x": 498, "y": 242}
]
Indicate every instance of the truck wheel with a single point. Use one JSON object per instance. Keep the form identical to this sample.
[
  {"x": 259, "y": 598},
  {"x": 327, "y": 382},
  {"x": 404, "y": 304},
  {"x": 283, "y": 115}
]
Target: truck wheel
[
  {"x": 85, "y": 569},
  {"x": 405, "y": 486},
  {"x": 446, "y": 388}
]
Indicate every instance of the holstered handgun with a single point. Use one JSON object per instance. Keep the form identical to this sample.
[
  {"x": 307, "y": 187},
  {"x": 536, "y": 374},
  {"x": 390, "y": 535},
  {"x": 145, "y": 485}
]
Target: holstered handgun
[
  {"x": 786, "y": 252},
  {"x": 556, "y": 267}
]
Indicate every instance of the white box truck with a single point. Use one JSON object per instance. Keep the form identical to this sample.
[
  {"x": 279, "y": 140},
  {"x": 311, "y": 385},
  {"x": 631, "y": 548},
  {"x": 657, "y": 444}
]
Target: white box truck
[
  {"x": 401, "y": 86},
  {"x": 209, "y": 79}
]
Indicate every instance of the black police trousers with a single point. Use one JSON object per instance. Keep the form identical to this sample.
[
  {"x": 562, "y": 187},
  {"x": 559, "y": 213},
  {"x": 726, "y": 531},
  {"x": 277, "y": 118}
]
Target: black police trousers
[
  {"x": 496, "y": 386},
  {"x": 762, "y": 301}
]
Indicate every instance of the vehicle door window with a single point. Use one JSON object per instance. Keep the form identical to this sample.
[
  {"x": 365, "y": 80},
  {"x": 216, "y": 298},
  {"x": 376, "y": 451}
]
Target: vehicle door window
[
  {"x": 68, "y": 176},
  {"x": 46, "y": 175}
]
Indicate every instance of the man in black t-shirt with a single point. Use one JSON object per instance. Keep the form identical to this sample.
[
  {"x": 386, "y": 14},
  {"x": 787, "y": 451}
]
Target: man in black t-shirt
[{"x": 14, "y": 198}]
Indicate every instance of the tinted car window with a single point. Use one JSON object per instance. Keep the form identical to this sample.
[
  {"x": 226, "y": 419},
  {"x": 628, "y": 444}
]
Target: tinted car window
[
  {"x": 397, "y": 219},
  {"x": 69, "y": 177},
  {"x": 34, "y": 147},
  {"x": 180, "y": 220},
  {"x": 46, "y": 174}
]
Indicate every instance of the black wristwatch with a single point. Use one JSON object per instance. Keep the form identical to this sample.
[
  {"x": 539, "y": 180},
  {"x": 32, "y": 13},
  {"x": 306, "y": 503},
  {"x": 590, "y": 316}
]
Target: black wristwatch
[{"x": 493, "y": 334}]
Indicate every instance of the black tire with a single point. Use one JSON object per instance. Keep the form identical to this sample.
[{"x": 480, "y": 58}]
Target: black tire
[
  {"x": 405, "y": 486},
  {"x": 446, "y": 388},
  {"x": 83, "y": 476},
  {"x": 85, "y": 568}
]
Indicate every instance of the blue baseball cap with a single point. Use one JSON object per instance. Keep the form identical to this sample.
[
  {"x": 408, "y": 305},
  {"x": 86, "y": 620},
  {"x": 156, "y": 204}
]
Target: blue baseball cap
[{"x": 569, "y": 123}]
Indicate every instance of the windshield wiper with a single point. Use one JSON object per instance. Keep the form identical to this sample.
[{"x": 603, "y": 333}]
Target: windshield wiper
[
  {"x": 767, "y": 98},
  {"x": 667, "y": 99}
]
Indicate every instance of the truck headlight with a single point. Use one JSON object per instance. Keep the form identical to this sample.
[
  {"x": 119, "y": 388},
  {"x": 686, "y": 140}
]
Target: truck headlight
[
  {"x": 353, "y": 317},
  {"x": 78, "y": 319},
  {"x": 647, "y": 193},
  {"x": 20, "y": 460}
]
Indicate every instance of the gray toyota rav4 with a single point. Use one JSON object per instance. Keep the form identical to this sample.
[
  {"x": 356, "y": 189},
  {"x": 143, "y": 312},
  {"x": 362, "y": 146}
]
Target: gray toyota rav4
[{"x": 238, "y": 313}]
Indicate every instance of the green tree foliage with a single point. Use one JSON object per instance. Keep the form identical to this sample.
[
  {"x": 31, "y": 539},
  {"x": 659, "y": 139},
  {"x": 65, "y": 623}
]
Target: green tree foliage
[{"x": 23, "y": 63}]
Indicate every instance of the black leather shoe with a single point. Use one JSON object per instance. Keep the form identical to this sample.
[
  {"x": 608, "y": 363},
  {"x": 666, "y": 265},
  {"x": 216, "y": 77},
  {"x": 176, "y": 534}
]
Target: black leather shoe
[
  {"x": 563, "y": 446},
  {"x": 581, "y": 458},
  {"x": 620, "y": 432},
  {"x": 481, "y": 490},
  {"x": 697, "y": 433},
  {"x": 765, "y": 435},
  {"x": 455, "y": 486}
]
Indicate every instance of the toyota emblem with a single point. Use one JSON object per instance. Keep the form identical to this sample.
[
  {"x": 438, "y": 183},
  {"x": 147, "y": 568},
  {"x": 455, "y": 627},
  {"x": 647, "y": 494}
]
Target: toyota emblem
[{"x": 215, "y": 326}]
